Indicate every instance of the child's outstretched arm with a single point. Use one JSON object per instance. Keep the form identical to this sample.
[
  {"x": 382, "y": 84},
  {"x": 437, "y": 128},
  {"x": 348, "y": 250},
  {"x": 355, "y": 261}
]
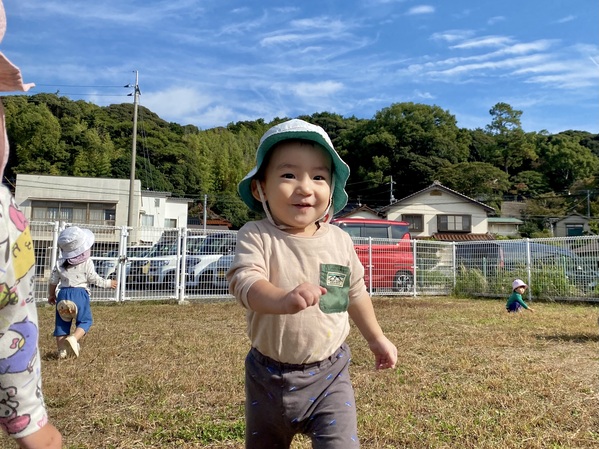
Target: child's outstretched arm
[
  {"x": 264, "y": 297},
  {"x": 362, "y": 314}
]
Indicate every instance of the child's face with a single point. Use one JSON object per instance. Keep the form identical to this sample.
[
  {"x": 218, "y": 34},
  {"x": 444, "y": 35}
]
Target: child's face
[
  {"x": 521, "y": 289},
  {"x": 297, "y": 186}
]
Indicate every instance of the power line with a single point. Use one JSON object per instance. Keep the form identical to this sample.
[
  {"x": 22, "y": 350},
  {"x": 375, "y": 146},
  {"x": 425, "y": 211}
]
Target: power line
[{"x": 73, "y": 85}]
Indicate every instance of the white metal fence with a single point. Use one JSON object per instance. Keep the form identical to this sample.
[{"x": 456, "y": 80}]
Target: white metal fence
[{"x": 182, "y": 264}]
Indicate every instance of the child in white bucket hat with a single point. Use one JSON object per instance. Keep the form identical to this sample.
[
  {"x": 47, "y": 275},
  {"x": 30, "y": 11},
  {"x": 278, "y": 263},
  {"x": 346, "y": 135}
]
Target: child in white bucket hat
[
  {"x": 74, "y": 272},
  {"x": 299, "y": 279},
  {"x": 515, "y": 302}
]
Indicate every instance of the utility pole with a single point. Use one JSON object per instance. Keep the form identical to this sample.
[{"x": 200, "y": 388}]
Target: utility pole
[
  {"x": 131, "y": 222},
  {"x": 391, "y": 198}
]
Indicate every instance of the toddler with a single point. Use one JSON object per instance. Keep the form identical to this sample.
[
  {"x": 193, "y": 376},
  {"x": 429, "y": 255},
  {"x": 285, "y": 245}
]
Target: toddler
[
  {"x": 515, "y": 303},
  {"x": 300, "y": 279},
  {"x": 74, "y": 271}
]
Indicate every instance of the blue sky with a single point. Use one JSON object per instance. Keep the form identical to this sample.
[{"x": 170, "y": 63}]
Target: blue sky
[{"x": 212, "y": 62}]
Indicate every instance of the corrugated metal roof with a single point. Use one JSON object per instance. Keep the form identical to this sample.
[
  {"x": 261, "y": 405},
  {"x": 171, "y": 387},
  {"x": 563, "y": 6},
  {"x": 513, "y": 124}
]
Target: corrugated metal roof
[
  {"x": 506, "y": 220},
  {"x": 460, "y": 237}
]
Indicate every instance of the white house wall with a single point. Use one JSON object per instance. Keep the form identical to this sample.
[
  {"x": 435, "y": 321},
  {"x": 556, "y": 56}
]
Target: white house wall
[
  {"x": 104, "y": 190},
  {"x": 178, "y": 210},
  {"x": 78, "y": 189},
  {"x": 445, "y": 204}
]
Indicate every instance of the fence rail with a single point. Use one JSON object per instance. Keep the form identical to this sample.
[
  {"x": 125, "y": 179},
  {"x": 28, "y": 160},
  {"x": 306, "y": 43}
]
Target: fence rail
[{"x": 181, "y": 263}]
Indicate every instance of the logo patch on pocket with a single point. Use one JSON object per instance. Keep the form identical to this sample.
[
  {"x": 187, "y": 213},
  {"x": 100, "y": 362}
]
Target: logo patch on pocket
[{"x": 335, "y": 279}]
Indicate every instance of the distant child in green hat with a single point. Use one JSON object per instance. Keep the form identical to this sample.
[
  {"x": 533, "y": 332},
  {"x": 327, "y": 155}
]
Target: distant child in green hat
[
  {"x": 300, "y": 279},
  {"x": 515, "y": 302}
]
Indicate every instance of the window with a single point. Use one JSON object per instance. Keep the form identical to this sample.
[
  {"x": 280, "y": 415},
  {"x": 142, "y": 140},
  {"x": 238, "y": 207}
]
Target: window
[
  {"x": 416, "y": 222},
  {"x": 376, "y": 232},
  {"x": 147, "y": 220},
  {"x": 573, "y": 230},
  {"x": 454, "y": 223},
  {"x": 74, "y": 212},
  {"x": 170, "y": 222}
]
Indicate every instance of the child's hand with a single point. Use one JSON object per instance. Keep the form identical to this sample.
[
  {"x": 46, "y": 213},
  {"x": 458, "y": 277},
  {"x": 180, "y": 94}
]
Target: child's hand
[
  {"x": 303, "y": 296},
  {"x": 113, "y": 283},
  {"x": 52, "y": 300},
  {"x": 385, "y": 353}
]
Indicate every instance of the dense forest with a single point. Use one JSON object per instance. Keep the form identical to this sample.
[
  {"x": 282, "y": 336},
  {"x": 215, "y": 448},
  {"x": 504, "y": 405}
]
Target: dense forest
[{"x": 402, "y": 149}]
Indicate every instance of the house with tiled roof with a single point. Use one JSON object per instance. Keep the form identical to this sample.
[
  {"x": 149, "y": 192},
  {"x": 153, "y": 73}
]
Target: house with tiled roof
[
  {"x": 443, "y": 214},
  {"x": 358, "y": 211}
]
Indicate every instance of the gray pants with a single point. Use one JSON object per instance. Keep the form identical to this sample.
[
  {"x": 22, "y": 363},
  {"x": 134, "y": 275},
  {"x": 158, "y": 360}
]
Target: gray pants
[{"x": 315, "y": 399}]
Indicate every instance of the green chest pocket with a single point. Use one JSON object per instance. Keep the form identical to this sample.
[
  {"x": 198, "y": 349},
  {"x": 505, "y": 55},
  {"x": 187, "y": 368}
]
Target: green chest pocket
[{"x": 335, "y": 278}]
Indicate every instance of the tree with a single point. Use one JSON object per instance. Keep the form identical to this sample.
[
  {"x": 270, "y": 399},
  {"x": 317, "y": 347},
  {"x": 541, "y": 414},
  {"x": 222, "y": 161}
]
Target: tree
[
  {"x": 37, "y": 137},
  {"x": 513, "y": 147},
  {"x": 411, "y": 142},
  {"x": 530, "y": 183},
  {"x": 564, "y": 161},
  {"x": 478, "y": 180}
]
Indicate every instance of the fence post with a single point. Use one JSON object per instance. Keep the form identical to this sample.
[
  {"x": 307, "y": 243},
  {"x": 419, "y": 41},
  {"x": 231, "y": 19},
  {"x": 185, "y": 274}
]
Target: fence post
[
  {"x": 370, "y": 264},
  {"x": 181, "y": 260},
  {"x": 528, "y": 268},
  {"x": 453, "y": 264},
  {"x": 54, "y": 255},
  {"x": 414, "y": 268},
  {"x": 121, "y": 274}
]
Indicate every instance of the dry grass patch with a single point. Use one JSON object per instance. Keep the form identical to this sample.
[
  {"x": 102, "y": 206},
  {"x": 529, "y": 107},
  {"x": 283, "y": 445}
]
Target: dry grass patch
[{"x": 168, "y": 376}]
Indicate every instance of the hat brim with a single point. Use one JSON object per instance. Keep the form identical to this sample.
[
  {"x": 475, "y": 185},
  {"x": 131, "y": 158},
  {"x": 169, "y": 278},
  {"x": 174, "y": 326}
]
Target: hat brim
[{"x": 304, "y": 131}]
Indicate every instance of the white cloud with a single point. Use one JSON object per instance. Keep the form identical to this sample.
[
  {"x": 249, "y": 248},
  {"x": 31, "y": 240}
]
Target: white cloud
[
  {"x": 569, "y": 18},
  {"x": 422, "y": 9},
  {"x": 496, "y": 19},
  {"x": 485, "y": 41},
  {"x": 452, "y": 35},
  {"x": 176, "y": 101}
]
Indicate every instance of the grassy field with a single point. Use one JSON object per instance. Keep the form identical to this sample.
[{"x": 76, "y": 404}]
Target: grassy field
[{"x": 469, "y": 376}]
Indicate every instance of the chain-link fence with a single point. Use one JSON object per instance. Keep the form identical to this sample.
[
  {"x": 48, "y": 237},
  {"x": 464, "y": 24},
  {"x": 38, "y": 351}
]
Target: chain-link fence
[{"x": 173, "y": 263}]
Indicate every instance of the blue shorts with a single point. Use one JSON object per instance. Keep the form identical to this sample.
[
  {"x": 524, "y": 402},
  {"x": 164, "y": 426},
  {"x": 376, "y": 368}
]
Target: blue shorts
[
  {"x": 514, "y": 307},
  {"x": 316, "y": 400},
  {"x": 84, "y": 319}
]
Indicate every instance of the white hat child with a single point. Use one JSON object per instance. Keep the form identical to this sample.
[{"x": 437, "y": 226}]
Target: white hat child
[{"x": 74, "y": 241}]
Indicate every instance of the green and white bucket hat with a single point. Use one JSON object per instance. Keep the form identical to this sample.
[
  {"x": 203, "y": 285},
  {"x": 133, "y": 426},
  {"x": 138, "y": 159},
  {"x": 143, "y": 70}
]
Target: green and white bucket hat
[{"x": 297, "y": 129}]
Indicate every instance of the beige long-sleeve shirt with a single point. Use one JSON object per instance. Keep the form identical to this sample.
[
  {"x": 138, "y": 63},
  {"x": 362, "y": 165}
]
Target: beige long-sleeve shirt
[
  {"x": 78, "y": 276},
  {"x": 328, "y": 258}
]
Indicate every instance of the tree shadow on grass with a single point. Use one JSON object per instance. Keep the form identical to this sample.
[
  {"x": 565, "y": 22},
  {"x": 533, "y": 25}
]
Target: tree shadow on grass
[{"x": 574, "y": 338}]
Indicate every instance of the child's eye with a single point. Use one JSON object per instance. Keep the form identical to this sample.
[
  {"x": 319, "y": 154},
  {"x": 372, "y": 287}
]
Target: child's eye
[
  {"x": 320, "y": 178},
  {"x": 288, "y": 175}
]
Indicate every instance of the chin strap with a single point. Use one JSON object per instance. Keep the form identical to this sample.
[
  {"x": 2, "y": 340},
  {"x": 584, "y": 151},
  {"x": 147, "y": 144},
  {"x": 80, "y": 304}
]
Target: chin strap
[
  {"x": 266, "y": 209},
  {"x": 324, "y": 218}
]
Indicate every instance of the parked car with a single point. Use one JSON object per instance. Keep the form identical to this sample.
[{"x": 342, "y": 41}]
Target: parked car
[
  {"x": 512, "y": 255},
  {"x": 213, "y": 278},
  {"x": 159, "y": 266},
  {"x": 160, "y": 269},
  {"x": 391, "y": 254},
  {"x": 214, "y": 248},
  {"x": 107, "y": 266}
]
